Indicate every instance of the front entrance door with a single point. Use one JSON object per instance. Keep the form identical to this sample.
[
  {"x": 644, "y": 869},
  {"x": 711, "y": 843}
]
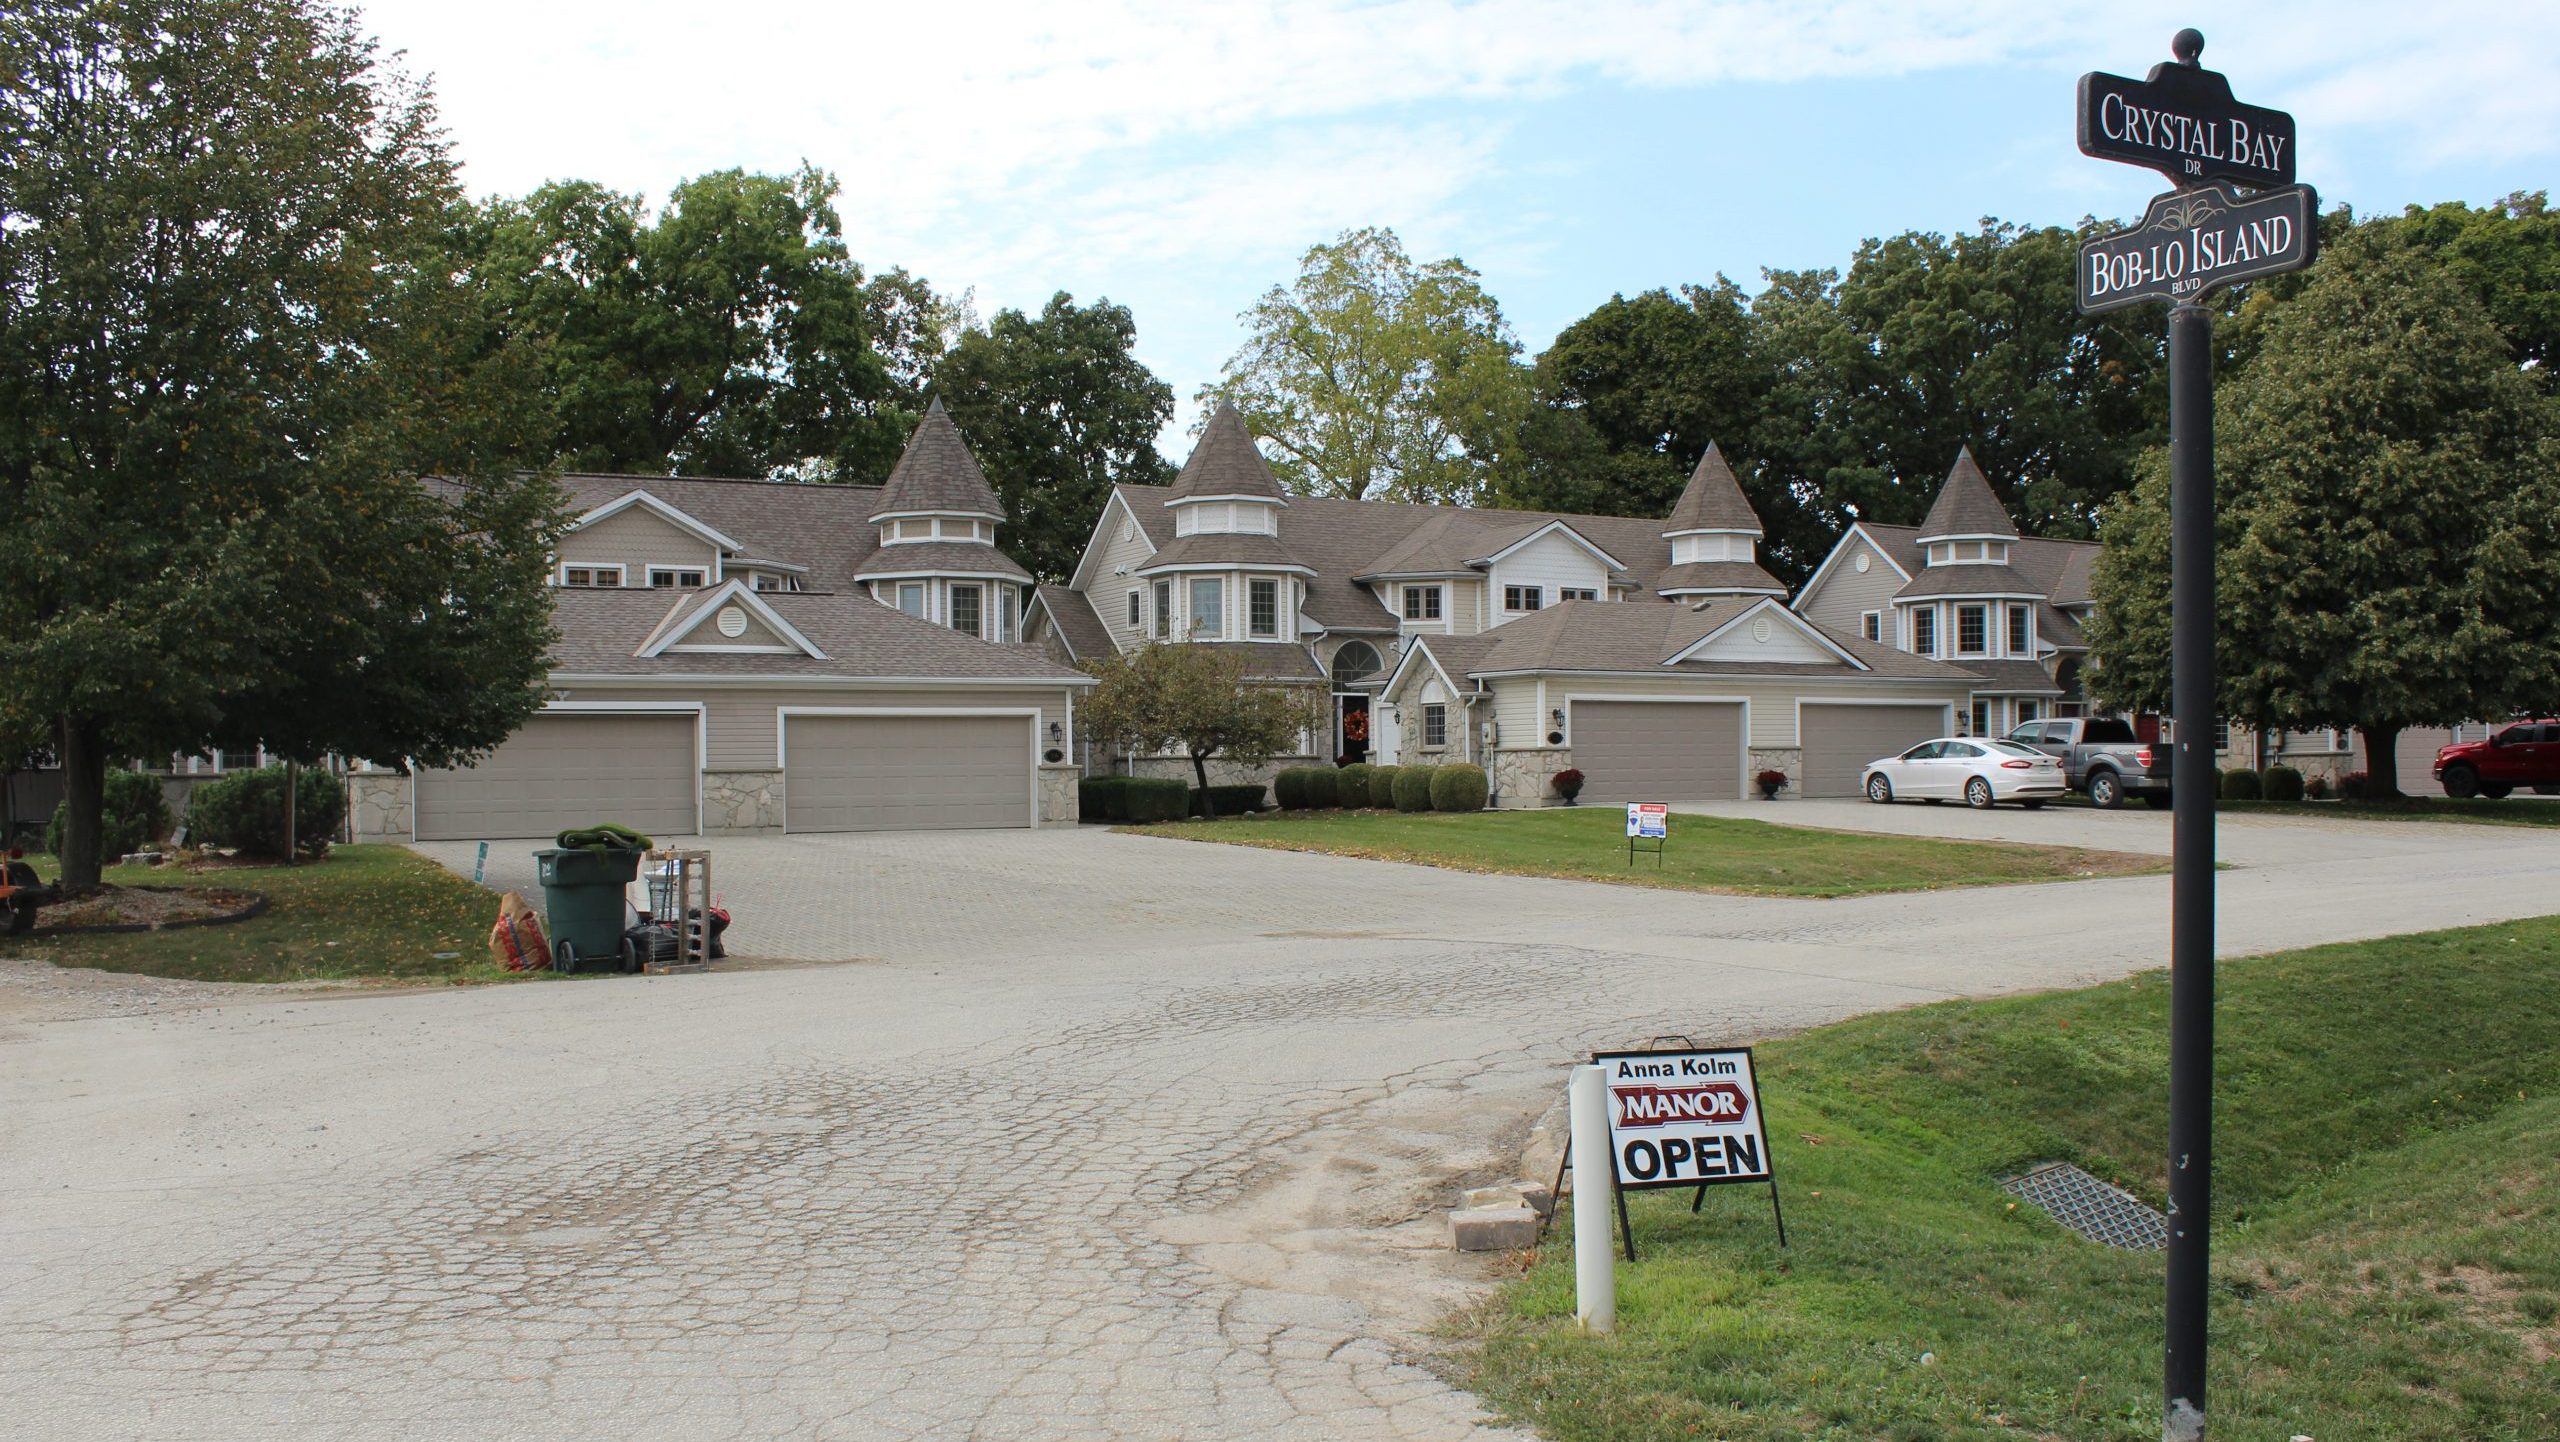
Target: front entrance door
[{"x": 1351, "y": 727}]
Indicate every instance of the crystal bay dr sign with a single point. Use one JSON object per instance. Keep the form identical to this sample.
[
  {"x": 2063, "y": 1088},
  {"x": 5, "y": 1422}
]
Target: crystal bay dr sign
[
  {"x": 2194, "y": 241},
  {"x": 1684, "y": 1118},
  {"x": 2184, "y": 123}
]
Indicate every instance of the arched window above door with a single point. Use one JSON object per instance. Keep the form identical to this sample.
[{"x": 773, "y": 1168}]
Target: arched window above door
[{"x": 1356, "y": 661}]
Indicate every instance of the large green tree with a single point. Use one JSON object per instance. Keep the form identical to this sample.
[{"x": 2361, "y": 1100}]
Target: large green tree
[
  {"x": 1374, "y": 375},
  {"x": 231, "y": 341},
  {"x": 1195, "y": 700},
  {"x": 1058, "y": 409},
  {"x": 2388, "y": 518},
  {"x": 727, "y": 333}
]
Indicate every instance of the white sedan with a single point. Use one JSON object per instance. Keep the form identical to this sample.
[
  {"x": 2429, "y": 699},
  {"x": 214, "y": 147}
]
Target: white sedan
[{"x": 1979, "y": 772}]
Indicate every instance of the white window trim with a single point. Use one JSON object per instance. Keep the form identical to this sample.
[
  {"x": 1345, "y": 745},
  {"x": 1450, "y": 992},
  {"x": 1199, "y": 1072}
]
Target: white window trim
[
  {"x": 1538, "y": 593},
  {"x": 1428, "y": 716},
  {"x": 1871, "y": 626},
  {"x": 655, "y": 572},
  {"x": 1435, "y": 603},
  {"x": 1576, "y": 593},
  {"x": 1985, "y": 648},
  {"x": 924, "y": 599},
  {"x": 1192, "y": 624},
  {"x": 951, "y": 607},
  {"x": 621, "y": 576},
  {"x": 1250, "y": 585}
]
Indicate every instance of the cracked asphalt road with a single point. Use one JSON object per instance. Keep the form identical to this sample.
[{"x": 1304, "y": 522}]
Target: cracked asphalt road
[{"x": 1103, "y": 1136}]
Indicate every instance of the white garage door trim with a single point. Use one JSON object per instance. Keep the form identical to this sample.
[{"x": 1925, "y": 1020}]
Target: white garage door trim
[
  {"x": 1742, "y": 763},
  {"x": 1031, "y": 756},
  {"x": 1946, "y": 717},
  {"x": 701, "y": 739}
]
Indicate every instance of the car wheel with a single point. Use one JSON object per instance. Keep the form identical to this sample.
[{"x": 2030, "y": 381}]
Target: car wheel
[
  {"x": 2106, "y": 792},
  {"x": 2497, "y": 793},
  {"x": 1977, "y": 794},
  {"x": 2031, "y": 805},
  {"x": 2461, "y": 782},
  {"x": 2158, "y": 800},
  {"x": 1879, "y": 790}
]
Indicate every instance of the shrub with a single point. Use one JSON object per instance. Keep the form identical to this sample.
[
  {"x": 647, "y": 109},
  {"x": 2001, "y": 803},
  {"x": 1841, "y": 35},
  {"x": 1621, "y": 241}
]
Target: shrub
[
  {"x": 1226, "y": 800},
  {"x": 1157, "y": 798},
  {"x": 1324, "y": 788},
  {"x": 2284, "y": 784},
  {"x": 2242, "y": 786},
  {"x": 1382, "y": 786},
  {"x": 1458, "y": 787},
  {"x": 1568, "y": 783},
  {"x": 1289, "y": 789},
  {"x": 245, "y": 811},
  {"x": 2316, "y": 787},
  {"x": 1353, "y": 785},
  {"x": 1413, "y": 788},
  {"x": 2354, "y": 785},
  {"x": 1094, "y": 796},
  {"x": 132, "y": 816}
]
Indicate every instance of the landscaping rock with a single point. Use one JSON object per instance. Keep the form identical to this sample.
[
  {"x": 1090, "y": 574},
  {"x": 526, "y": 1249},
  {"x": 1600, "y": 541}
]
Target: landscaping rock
[
  {"x": 1493, "y": 1229},
  {"x": 1532, "y": 1195}
]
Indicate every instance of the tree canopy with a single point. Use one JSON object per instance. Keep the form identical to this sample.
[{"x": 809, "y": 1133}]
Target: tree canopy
[
  {"x": 231, "y": 340},
  {"x": 1195, "y": 700},
  {"x": 2389, "y": 517},
  {"x": 1375, "y": 376},
  {"x": 1058, "y": 410}
]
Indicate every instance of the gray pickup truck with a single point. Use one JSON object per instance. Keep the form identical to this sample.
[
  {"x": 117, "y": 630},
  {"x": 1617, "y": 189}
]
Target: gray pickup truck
[{"x": 2101, "y": 756}]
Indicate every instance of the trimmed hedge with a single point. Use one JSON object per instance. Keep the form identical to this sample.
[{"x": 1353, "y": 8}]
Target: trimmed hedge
[
  {"x": 1352, "y": 785},
  {"x": 1382, "y": 786},
  {"x": 1459, "y": 787},
  {"x": 1094, "y": 795},
  {"x": 2242, "y": 786},
  {"x": 1226, "y": 800},
  {"x": 133, "y": 814},
  {"x": 245, "y": 811},
  {"x": 1324, "y": 788},
  {"x": 1289, "y": 789},
  {"x": 1157, "y": 798},
  {"x": 2284, "y": 784},
  {"x": 1413, "y": 788}
]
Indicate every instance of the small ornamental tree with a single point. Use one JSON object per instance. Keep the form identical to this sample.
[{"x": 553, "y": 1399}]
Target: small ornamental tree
[{"x": 1195, "y": 700}]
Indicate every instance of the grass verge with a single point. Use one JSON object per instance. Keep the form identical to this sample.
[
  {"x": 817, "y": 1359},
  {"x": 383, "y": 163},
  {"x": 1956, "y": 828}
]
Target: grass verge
[
  {"x": 368, "y": 913},
  {"x": 2479, "y": 810},
  {"x": 2386, "y": 1264},
  {"x": 1588, "y": 843}
]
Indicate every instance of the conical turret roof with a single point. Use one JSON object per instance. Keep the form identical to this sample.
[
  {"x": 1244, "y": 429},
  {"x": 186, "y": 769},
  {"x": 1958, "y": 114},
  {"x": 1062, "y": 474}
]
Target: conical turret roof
[
  {"x": 936, "y": 473},
  {"x": 1966, "y": 505},
  {"x": 1713, "y": 500},
  {"x": 1225, "y": 462}
]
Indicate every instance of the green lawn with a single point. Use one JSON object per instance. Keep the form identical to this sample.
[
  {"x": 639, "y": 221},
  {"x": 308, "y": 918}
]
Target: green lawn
[
  {"x": 2387, "y": 1266},
  {"x": 379, "y": 913},
  {"x": 2514, "y": 811},
  {"x": 1705, "y": 853}
]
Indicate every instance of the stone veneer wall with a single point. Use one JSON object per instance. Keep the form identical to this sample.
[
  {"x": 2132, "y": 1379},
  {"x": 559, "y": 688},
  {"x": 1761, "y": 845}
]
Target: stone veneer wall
[
  {"x": 1789, "y": 759},
  {"x": 378, "y": 805},
  {"x": 1058, "y": 803},
  {"x": 1522, "y": 777},
  {"x": 741, "y": 803}
]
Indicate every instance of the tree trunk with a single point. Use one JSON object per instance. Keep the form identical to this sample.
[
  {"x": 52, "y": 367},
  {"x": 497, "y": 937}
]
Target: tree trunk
[
  {"x": 1200, "y": 768},
  {"x": 2381, "y": 762},
  {"x": 292, "y": 800},
  {"x": 84, "y": 801}
]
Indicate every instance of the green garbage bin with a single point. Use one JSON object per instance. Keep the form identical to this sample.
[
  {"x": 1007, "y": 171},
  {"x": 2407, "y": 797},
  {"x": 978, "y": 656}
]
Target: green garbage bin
[{"x": 583, "y": 897}]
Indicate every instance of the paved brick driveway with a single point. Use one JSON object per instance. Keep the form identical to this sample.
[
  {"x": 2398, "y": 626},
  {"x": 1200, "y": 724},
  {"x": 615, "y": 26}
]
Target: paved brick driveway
[{"x": 1118, "y": 1137}]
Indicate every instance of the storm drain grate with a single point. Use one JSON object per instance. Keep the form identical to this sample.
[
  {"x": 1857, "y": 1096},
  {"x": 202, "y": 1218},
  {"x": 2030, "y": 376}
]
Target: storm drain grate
[{"x": 2090, "y": 1207}]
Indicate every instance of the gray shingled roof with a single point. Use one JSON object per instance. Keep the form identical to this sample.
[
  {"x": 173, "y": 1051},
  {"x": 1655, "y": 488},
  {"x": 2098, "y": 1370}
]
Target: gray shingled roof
[
  {"x": 937, "y": 473},
  {"x": 909, "y": 558},
  {"x": 2012, "y": 678},
  {"x": 599, "y": 631},
  {"x": 1225, "y": 462},
  {"x": 823, "y": 527},
  {"x": 1718, "y": 576},
  {"x": 1713, "y": 500},
  {"x": 1271, "y": 660},
  {"x": 1966, "y": 505},
  {"x": 1613, "y": 636},
  {"x": 1222, "y": 549},
  {"x": 1087, "y": 639},
  {"x": 1970, "y": 579}
]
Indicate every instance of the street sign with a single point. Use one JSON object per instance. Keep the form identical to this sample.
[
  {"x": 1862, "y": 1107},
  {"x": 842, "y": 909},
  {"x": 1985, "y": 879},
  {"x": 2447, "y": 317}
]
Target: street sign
[
  {"x": 1648, "y": 818},
  {"x": 1684, "y": 1118},
  {"x": 2192, "y": 242},
  {"x": 2183, "y": 122}
]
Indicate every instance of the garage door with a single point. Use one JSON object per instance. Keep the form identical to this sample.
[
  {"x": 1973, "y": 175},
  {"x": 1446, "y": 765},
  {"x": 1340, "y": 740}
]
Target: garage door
[
  {"x": 1839, "y": 741},
  {"x": 2416, "y": 749},
  {"x": 906, "y": 773},
  {"x": 568, "y": 770},
  {"x": 1658, "y": 751}
]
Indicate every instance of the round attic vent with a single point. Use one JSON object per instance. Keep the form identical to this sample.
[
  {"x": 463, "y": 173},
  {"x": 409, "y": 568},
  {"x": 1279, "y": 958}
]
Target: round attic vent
[
  {"x": 1760, "y": 630},
  {"x": 733, "y": 622},
  {"x": 1862, "y": 563}
]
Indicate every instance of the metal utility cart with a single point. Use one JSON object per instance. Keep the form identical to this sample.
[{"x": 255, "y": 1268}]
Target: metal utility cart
[{"x": 680, "y": 897}]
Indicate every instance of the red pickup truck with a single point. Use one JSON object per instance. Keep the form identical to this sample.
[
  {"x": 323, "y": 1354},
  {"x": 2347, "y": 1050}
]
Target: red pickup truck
[{"x": 2526, "y": 753}]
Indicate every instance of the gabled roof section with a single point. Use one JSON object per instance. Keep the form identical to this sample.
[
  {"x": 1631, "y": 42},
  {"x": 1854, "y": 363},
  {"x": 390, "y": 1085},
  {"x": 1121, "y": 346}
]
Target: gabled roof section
[
  {"x": 1538, "y": 532},
  {"x": 684, "y": 624},
  {"x": 1723, "y": 624},
  {"x": 937, "y": 475},
  {"x": 863, "y": 641},
  {"x": 1226, "y": 462},
  {"x": 1444, "y": 657},
  {"x": 1713, "y": 500},
  {"x": 1966, "y": 505},
  {"x": 1154, "y": 527},
  {"x": 1079, "y": 626},
  {"x": 663, "y": 511}
]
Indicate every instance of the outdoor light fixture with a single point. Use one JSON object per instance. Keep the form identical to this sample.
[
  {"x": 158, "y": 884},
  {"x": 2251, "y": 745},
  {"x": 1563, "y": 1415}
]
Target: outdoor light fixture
[
  {"x": 1054, "y": 733},
  {"x": 1557, "y": 716}
]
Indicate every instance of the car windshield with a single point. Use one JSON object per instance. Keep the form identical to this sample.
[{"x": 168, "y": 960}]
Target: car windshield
[{"x": 2012, "y": 748}]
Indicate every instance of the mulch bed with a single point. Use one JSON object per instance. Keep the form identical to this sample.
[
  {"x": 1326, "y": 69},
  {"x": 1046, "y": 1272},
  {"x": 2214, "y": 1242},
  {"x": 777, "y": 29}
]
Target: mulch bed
[{"x": 146, "y": 908}]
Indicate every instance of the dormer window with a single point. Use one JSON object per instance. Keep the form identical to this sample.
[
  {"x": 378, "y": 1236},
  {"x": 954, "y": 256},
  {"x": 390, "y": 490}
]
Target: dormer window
[
  {"x": 683, "y": 578},
  {"x": 591, "y": 577}
]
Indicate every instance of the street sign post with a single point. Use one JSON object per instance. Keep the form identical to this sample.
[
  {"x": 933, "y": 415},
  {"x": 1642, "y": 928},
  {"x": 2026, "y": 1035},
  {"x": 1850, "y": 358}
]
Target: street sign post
[{"x": 2183, "y": 122}]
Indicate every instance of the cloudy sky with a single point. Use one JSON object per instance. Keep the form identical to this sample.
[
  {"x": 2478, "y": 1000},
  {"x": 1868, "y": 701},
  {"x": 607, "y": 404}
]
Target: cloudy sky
[{"x": 1178, "y": 157}]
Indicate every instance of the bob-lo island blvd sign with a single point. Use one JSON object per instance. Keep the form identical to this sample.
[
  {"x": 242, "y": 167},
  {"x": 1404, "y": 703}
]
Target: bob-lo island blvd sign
[{"x": 2194, "y": 241}]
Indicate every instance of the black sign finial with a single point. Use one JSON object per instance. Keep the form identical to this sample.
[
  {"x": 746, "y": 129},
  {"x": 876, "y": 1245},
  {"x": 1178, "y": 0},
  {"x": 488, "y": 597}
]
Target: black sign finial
[{"x": 2186, "y": 45}]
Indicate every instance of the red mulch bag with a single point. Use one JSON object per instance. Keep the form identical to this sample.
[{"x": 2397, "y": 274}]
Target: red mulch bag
[{"x": 508, "y": 937}]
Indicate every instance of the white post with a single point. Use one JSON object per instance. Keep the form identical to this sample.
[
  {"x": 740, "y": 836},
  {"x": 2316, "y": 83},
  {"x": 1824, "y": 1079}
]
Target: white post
[{"x": 1595, "y": 1241}]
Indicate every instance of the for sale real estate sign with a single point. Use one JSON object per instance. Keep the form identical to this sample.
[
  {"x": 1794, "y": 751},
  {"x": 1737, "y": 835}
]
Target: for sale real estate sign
[{"x": 1684, "y": 1118}]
